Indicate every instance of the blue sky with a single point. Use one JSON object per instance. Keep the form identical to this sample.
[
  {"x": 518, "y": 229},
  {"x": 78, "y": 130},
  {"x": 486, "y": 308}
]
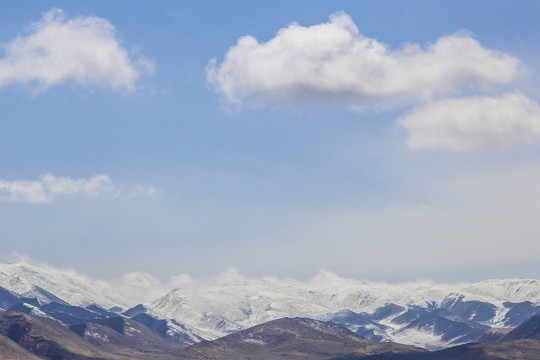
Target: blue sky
[{"x": 376, "y": 139}]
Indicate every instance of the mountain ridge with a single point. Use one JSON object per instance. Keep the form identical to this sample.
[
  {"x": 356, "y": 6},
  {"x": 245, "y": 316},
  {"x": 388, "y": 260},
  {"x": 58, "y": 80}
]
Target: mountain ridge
[{"x": 423, "y": 313}]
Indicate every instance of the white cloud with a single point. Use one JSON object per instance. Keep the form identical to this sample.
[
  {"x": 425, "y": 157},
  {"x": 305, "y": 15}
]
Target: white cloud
[
  {"x": 140, "y": 279},
  {"x": 182, "y": 280},
  {"x": 334, "y": 62},
  {"x": 48, "y": 187},
  {"x": 83, "y": 50},
  {"x": 471, "y": 123},
  {"x": 230, "y": 276},
  {"x": 142, "y": 190}
]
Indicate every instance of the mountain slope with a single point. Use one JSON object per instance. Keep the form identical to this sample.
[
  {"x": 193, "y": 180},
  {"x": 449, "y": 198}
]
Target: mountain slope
[
  {"x": 423, "y": 313},
  {"x": 10, "y": 350},
  {"x": 126, "y": 337},
  {"x": 288, "y": 338},
  {"x": 46, "y": 338},
  {"x": 115, "y": 339},
  {"x": 530, "y": 329},
  {"x": 406, "y": 313},
  {"x": 512, "y": 350},
  {"x": 51, "y": 285}
]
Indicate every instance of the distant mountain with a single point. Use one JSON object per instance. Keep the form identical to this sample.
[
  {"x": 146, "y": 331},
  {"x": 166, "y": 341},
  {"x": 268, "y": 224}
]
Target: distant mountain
[
  {"x": 362, "y": 325},
  {"x": 51, "y": 285},
  {"x": 421, "y": 314},
  {"x": 426, "y": 314},
  {"x": 288, "y": 338},
  {"x": 522, "y": 342}
]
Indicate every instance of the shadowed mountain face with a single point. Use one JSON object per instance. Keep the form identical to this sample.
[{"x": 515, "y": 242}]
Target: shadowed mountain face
[
  {"x": 287, "y": 338},
  {"x": 512, "y": 350},
  {"x": 492, "y": 335},
  {"x": 358, "y": 323},
  {"x": 8, "y": 299},
  {"x": 48, "y": 339},
  {"x": 10, "y": 350},
  {"x": 28, "y": 337},
  {"x": 521, "y": 343},
  {"x": 450, "y": 327},
  {"x": 519, "y": 312},
  {"x": 530, "y": 329},
  {"x": 119, "y": 332}
]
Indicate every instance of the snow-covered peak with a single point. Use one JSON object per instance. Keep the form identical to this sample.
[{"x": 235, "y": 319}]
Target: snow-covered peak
[
  {"x": 32, "y": 281},
  {"x": 223, "y": 308}
]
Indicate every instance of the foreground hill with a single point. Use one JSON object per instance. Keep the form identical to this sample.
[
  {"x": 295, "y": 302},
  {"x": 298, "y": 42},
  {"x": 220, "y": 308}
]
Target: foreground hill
[
  {"x": 529, "y": 329},
  {"x": 29, "y": 337},
  {"x": 46, "y": 338},
  {"x": 287, "y": 338},
  {"x": 513, "y": 350},
  {"x": 25, "y": 334},
  {"x": 10, "y": 350}
]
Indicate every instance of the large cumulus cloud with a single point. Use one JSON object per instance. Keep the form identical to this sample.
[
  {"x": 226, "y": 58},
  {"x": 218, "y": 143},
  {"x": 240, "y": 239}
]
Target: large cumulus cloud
[{"x": 334, "y": 62}]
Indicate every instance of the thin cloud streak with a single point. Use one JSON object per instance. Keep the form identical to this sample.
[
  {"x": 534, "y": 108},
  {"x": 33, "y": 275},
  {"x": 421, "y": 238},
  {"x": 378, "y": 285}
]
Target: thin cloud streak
[{"x": 49, "y": 187}]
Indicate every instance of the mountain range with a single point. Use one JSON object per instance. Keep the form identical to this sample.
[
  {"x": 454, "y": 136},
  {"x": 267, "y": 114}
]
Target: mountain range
[{"x": 494, "y": 314}]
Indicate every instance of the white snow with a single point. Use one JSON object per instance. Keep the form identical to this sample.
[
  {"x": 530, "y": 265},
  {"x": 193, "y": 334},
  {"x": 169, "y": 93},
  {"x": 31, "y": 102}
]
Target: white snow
[
  {"x": 69, "y": 286},
  {"x": 254, "y": 341},
  {"x": 219, "y": 309},
  {"x": 212, "y": 310},
  {"x": 131, "y": 331}
]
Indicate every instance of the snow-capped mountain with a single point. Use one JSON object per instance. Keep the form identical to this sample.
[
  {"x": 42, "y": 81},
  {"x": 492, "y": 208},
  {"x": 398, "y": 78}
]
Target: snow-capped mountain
[
  {"x": 422, "y": 313},
  {"x": 52, "y": 285}
]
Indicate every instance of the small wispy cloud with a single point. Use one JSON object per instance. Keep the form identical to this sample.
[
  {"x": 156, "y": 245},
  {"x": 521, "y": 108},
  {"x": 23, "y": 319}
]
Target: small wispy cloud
[
  {"x": 83, "y": 50},
  {"x": 142, "y": 190},
  {"x": 49, "y": 187}
]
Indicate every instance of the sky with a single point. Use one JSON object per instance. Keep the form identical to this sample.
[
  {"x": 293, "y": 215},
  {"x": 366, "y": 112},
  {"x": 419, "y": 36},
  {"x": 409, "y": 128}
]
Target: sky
[{"x": 378, "y": 139}]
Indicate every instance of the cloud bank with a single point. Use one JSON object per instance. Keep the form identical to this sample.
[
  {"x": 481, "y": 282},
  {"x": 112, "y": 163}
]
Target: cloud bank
[
  {"x": 49, "y": 187},
  {"x": 334, "y": 62},
  {"x": 82, "y": 50},
  {"x": 473, "y": 123}
]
